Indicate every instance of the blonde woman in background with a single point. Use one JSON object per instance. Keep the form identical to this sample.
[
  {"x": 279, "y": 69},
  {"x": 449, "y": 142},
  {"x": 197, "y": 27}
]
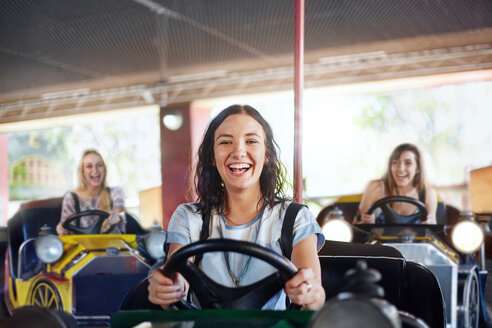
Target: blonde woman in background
[{"x": 93, "y": 194}]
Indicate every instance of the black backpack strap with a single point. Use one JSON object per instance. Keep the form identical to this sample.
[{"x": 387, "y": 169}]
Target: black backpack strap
[
  {"x": 422, "y": 195},
  {"x": 76, "y": 205},
  {"x": 287, "y": 235},
  {"x": 204, "y": 233}
]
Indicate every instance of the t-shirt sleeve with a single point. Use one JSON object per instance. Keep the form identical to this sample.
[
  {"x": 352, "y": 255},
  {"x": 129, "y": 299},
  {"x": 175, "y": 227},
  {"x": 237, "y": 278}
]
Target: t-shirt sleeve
[
  {"x": 178, "y": 230},
  {"x": 68, "y": 207},
  {"x": 305, "y": 225}
]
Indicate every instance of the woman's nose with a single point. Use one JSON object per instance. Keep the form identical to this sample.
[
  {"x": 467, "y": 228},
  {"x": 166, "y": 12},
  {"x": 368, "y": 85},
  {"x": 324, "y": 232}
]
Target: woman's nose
[{"x": 239, "y": 149}]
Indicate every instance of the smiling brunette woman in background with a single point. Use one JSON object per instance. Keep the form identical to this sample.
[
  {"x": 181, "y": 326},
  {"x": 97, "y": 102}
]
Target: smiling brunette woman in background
[
  {"x": 239, "y": 181},
  {"x": 92, "y": 193},
  {"x": 404, "y": 177}
]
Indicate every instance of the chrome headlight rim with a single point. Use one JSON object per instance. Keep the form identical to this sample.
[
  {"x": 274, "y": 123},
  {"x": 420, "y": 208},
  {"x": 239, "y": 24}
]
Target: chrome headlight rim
[
  {"x": 461, "y": 234},
  {"x": 154, "y": 244},
  {"x": 48, "y": 248},
  {"x": 338, "y": 230}
]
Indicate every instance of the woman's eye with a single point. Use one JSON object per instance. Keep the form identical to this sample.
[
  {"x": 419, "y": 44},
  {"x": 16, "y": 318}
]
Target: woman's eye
[{"x": 251, "y": 141}]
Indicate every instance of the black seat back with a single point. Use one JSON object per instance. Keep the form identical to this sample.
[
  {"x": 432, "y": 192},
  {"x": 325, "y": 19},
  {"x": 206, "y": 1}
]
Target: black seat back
[
  {"x": 391, "y": 269},
  {"x": 338, "y": 248},
  {"x": 132, "y": 225},
  {"x": 407, "y": 285},
  {"x": 424, "y": 296}
]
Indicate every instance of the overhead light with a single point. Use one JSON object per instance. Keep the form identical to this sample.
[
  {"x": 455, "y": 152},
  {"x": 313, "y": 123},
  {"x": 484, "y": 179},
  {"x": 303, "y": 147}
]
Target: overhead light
[{"x": 172, "y": 120}]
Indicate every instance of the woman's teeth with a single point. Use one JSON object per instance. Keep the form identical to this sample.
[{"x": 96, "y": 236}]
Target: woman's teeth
[{"x": 239, "y": 167}]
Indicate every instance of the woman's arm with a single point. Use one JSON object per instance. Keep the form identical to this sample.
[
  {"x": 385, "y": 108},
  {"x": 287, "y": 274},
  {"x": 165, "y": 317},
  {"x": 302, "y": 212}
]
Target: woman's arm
[
  {"x": 431, "y": 205},
  {"x": 372, "y": 193},
  {"x": 118, "y": 200},
  {"x": 165, "y": 291},
  {"x": 68, "y": 208},
  {"x": 305, "y": 287}
]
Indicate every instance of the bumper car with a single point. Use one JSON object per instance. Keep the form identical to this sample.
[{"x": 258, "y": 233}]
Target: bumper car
[
  {"x": 453, "y": 250},
  {"x": 86, "y": 274},
  {"x": 352, "y": 286}
]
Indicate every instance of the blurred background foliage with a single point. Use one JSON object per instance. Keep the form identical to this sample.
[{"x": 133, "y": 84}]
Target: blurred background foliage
[{"x": 348, "y": 136}]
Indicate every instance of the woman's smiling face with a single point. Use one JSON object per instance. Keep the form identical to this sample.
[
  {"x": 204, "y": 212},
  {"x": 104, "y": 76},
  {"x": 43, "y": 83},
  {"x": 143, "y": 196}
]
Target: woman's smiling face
[
  {"x": 404, "y": 169},
  {"x": 94, "y": 170},
  {"x": 240, "y": 152}
]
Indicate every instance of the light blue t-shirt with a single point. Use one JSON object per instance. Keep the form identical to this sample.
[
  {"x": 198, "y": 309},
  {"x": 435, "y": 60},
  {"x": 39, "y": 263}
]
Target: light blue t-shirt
[{"x": 186, "y": 224}]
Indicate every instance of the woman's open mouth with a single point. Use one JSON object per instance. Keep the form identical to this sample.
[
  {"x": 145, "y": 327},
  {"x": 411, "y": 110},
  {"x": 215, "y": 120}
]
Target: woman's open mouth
[
  {"x": 95, "y": 178},
  {"x": 239, "y": 168}
]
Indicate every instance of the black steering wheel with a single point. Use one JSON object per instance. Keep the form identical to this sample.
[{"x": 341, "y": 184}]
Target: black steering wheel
[
  {"x": 211, "y": 295},
  {"x": 94, "y": 228},
  {"x": 392, "y": 217}
]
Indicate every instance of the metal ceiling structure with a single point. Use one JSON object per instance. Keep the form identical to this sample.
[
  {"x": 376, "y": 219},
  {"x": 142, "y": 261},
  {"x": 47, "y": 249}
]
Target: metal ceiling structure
[{"x": 60, "y": 57}]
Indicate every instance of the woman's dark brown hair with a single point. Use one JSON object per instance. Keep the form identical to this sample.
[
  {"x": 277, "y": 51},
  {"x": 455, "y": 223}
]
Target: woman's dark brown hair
[{"x": 208, "y": 183}]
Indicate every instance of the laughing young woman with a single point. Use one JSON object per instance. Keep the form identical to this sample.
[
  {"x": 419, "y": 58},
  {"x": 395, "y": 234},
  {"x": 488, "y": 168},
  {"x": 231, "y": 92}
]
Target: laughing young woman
[
  {"x": 93, "y": 194},
  {"x": 404, "y": 177},
  {"x": 239, "y": 181}
]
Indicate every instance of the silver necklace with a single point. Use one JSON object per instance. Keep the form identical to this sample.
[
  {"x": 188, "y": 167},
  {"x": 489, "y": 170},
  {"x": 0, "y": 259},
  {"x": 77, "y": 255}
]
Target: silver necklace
[{"x": 236, "y": 279}]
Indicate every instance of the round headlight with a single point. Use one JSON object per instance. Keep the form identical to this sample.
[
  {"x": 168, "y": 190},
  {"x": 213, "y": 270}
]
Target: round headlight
[
  {"x": 155, "y": 244},
  {"x": 337, "y": 230},
  {"x": 467, "y": 236},
  {"x": 49, "y": 248}
]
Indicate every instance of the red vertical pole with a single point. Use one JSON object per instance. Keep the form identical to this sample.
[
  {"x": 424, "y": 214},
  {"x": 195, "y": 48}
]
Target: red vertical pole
[
  {"x": 4, "y": 179},
  {"x": 298, "y": 90}
]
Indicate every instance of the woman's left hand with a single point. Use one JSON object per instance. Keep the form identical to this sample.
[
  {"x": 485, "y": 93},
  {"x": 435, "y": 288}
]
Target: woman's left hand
[
  {"x": 114, "y": 217},
  {"x": 305, "y": 289}
]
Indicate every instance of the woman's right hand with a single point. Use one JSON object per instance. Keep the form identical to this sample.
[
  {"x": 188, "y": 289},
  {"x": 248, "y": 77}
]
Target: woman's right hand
[
  {"x": 366, "y": 219},
  {"x": 165, "y": 291}
]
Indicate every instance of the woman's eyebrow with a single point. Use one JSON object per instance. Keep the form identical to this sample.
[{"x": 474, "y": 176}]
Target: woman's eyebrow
[
  {"x": 223, "y": 135},
  {"x": 249, "y": 134},
  {"x": 252, "y": 134}
]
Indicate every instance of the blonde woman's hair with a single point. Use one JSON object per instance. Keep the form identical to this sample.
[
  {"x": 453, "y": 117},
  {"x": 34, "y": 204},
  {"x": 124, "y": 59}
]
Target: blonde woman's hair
[{"x": 104, "y": 200}]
